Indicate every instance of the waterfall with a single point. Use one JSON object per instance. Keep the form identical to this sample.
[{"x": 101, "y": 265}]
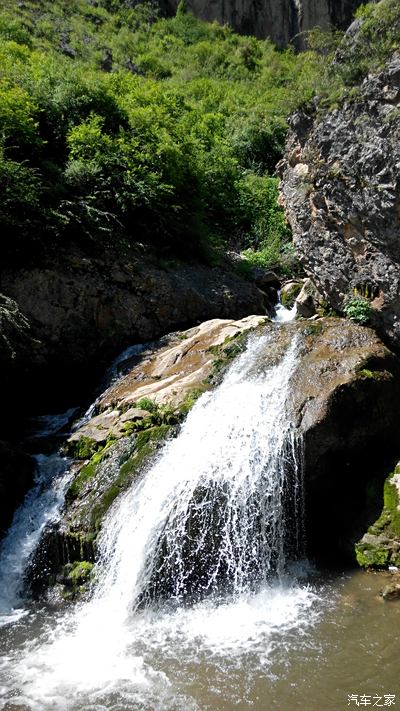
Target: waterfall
[
  {"x": 194, "y": 559},
  {"x": 220, "y": 510},
  {"x": 41, "y": 507}
]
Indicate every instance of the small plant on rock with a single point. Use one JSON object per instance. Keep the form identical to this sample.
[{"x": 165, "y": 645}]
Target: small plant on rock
[{"x": 358, "y": 309}]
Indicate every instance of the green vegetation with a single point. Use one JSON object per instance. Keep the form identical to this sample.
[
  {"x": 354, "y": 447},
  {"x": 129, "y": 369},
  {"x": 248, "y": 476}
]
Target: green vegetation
[
  {"x": 76, "y": 578},
  {"x": 389, "y": 520},
  {"x": 378, "y": 38},
  {"x": 86, "y": 474},
  {"x": 119, "y": 128},
  {"x": 358, "y": 309},
  {"x": 83, "y": 448},
  {"x": 346, "y": 61},
  {"x": 145, "y": 445}
]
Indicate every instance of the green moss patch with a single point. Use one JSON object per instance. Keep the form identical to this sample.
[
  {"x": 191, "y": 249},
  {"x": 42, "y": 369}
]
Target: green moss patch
[
  {"x": 86, "y": 473},
  {"x": 381, "y": 545},
  {"x": 289, "y": 297},
  {"x": 225, "y": 353},
  {"x": 371, "y": 556},
  {"x": 366, "y": 374},
  {"x": 83, "y": 448},
  {"x": 389, "y": 520},
  {"x": 145, "y": 445},
  {"x": 76, "y": 578}
]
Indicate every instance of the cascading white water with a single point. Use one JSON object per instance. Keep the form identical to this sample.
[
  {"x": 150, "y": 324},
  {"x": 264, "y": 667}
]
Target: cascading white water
[
  {"x": 212, "y": 513},
  {"x": 193, "y": 558},
  {"x": 40, "y": 508}
]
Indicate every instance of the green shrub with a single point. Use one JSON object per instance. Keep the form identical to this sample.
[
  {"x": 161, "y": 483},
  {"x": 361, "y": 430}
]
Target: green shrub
[
  {"x": 173, "y": 149},
  {"x": 358, "y": 309}
]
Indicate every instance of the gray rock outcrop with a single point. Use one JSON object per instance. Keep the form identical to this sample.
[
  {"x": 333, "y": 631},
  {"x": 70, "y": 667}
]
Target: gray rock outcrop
[
  {"x": 341, "y": 191},
  {"x": 77, "y": 314},
  {"x": 280, "y": 20}
]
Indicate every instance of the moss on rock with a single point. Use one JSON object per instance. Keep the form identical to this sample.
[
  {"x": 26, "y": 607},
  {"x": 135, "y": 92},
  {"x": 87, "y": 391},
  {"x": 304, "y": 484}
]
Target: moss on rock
[
  {"x": 76, "y": 578},
  {"x": 380, "y": 546},
  {"x": 290, "y": 292},
  {"x": 146, "y": 444},
  {"x": 83, "y": 448}
]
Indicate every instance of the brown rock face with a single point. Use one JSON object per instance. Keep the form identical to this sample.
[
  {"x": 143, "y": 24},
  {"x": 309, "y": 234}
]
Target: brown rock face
[
  {"x": 88, "y": 308},
  {"x": 165, "y": 374},
  {"x": 75, "y": 316},
  {"x": 341, "y": 192}
]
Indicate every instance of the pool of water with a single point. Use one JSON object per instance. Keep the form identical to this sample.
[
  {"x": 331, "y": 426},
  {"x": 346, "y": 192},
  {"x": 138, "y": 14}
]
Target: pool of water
[{"x": 308, "y": 644}]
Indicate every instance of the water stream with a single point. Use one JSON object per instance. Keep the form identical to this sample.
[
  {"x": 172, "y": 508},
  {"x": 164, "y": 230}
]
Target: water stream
[{"x": 202, "y": 597}]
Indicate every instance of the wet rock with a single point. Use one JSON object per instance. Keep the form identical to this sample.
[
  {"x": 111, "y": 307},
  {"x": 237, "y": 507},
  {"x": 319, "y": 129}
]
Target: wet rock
[
  {"x": 134, "y": 414},
  {"x": 344, "y": 396},
  {"x": 289, "y": 292},
  {"x": 380, "y": 546},
  {"x": 166, "y": 373},
  {"x": 343, "y": 404},
  {"x": 268, "y": 282},
  {"x": 391, "y": 592},
  {"x": 341, "y": 193}
]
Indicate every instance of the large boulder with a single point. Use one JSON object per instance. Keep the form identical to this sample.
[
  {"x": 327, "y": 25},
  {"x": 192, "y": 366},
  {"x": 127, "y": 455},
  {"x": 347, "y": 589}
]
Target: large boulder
[
  {"x": 345, "y": 398},
  {"x": 341, "y": 193},
  {"x": 131, "y": 420}
]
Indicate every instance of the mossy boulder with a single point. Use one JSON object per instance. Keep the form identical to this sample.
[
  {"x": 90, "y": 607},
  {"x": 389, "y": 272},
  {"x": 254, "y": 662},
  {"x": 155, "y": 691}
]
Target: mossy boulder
[
  {"x": 290, "y": 291},
  {"x": 380, "y": 546},
  {"x": 343, "y": 403}
]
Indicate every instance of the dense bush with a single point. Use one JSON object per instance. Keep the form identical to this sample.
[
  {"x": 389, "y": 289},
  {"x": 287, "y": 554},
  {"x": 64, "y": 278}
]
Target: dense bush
[{"x": 120, "y": 127}]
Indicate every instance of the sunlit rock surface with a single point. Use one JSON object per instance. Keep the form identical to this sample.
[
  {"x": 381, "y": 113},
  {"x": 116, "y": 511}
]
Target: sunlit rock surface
[{"x": 341, "y": 193}]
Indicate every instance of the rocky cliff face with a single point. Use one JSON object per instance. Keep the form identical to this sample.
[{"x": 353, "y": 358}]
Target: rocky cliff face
[
  {"x": 280, "y": 20},
  {"x": 340, "y": 186},
  {"x": 74, "y": 316}
]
